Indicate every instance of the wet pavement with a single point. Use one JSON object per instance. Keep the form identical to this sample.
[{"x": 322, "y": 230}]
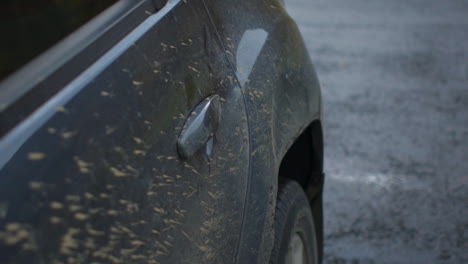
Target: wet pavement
[{"x": 394, "y": 76}]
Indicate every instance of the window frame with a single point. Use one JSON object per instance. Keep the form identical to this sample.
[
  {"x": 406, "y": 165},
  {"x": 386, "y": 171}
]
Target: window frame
[{"x": 34, "y": 83}]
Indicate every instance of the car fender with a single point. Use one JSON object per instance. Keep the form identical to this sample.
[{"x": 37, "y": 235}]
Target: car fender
[{"x": 282, "y": 97}]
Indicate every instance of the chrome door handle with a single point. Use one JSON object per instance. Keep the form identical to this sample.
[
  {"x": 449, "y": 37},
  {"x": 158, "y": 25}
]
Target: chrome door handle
[{"x": 199, "y": 128}]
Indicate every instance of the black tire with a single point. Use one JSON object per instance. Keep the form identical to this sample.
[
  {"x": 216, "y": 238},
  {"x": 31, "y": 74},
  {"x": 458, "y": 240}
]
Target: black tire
[{"x": 293, "y": 219}]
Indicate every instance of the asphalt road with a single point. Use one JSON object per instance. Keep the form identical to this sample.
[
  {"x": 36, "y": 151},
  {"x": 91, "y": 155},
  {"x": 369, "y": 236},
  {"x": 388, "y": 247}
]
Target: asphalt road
[{"x": 394, "y": 76}]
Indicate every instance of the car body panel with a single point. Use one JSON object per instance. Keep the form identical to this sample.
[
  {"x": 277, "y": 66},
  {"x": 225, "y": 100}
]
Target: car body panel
[
  {"x": 282, "y": 96},
  {"x": 93, "y": 174}
]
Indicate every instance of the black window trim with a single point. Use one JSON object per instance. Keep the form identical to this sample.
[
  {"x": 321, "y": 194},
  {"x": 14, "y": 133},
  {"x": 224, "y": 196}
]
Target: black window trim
[{"x": 32, "y": 85}]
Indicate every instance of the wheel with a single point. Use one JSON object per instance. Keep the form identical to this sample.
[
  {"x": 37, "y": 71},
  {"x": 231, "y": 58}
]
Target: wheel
[{"x": 295, "y": 237}]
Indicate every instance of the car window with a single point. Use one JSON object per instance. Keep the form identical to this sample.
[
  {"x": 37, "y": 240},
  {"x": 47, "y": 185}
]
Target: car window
[{"x": 29, "y": 27}]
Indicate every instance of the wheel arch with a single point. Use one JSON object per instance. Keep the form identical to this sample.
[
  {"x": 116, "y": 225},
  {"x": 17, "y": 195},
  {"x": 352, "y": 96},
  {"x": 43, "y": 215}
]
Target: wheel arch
[{"x": 303, "y": 161}]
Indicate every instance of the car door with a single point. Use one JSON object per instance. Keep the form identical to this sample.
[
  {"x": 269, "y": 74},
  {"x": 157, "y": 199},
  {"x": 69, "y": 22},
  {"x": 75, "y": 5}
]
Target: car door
[{"x": 126, "y": 142}]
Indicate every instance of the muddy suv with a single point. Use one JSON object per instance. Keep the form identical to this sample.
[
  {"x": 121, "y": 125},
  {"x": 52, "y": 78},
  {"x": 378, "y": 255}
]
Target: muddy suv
[{"x": 138, "y": 131}]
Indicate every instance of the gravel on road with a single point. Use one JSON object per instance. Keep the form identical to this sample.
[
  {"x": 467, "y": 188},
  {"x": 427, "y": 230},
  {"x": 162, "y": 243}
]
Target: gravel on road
[{"x": 394, "y": 77}]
